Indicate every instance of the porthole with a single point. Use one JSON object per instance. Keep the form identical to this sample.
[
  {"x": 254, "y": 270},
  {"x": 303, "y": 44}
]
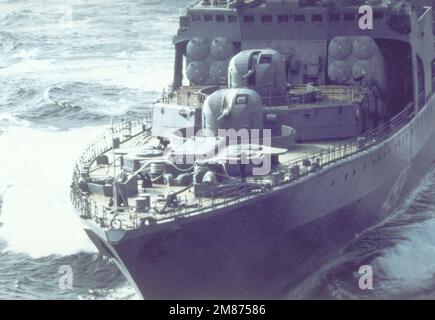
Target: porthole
[
  {"x": 349, "y": 17},
  {"x": 266, "y": 19},
  {"x": 249, "y": 19},
  {"x": 283, "y": 18},
  {"x": 317, "y": 18},
  {"x": 299, "y": 18},
  {"x": 220, "y": 18},
  {"x": 232, "y": 19},
  {"x": 196, "y": 17},
  {"x": 334, "y": 17},
  {"x": 378, "y": 15}
]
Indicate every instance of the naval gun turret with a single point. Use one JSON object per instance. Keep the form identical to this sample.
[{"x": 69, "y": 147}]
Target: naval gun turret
[
  {"x": 234, "y": 108},
  {"x": 262, "y": 71}
]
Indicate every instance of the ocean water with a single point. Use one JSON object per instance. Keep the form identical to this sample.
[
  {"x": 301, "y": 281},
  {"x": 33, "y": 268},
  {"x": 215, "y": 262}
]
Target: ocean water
[{"x": 66, "y": 69}]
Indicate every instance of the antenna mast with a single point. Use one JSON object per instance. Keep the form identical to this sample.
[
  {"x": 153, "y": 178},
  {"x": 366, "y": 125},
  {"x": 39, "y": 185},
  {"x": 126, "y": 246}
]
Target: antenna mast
[{"x": 115, "y": 195}]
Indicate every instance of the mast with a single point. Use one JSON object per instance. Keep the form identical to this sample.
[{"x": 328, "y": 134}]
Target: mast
[{"x": 115, "y": 196}]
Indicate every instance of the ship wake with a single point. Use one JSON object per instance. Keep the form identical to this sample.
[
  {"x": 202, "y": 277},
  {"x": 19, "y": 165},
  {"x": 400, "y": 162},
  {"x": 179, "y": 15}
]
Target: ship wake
[{"x": 400, "y": 251}]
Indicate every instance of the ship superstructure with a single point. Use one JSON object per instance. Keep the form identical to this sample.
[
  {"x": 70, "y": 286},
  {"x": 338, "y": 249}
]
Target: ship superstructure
[{"x": 287, "y": 129}]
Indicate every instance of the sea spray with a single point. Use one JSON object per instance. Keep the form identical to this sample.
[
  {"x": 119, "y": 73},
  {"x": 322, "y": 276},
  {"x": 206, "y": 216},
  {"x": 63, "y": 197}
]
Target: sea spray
[{"x": 36, "y": 168}]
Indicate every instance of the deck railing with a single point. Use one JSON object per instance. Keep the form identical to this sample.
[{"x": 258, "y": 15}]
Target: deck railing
[
  {"x": 286, "y": 173},
  {"x": 122, "y": 132},
  {"x": 351, "y": 147},
  {"x": 299, "y": 95},
  {"x": 328, "y": 94},
  {"x": 296, "y": 169}
]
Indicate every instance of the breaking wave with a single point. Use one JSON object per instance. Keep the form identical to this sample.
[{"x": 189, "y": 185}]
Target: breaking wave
[
  {"x": 35, "y": 174},
  {"x": 401, "y": 252}
]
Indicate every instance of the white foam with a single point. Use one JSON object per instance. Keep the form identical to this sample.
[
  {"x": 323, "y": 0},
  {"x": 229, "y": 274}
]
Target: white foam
[
  {"x": 124, "y": 292},
  {"x": 407, "y": 266},
  {"x": 27, "y": 67},
  {"x": 35, "y": 174},
  {"x": 413, "y": 259}
]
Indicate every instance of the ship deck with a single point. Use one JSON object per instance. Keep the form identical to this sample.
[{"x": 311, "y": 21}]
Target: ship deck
[
  {"x": 130, "y": 219},
  {"x": 301, "y": 160}
]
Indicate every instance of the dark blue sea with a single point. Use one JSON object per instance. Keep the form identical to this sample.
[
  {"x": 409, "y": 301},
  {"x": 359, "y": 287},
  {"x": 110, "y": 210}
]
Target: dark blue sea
[{"x": 66, "y": 69}]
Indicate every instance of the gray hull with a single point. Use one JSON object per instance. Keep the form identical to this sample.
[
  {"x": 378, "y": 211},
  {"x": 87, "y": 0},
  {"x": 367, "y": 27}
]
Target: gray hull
[{"x": 261, "y": 250}]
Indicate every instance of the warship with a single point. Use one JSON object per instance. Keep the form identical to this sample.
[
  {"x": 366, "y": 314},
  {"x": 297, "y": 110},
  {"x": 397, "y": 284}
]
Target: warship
[{"x": 288, "y": 130}]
